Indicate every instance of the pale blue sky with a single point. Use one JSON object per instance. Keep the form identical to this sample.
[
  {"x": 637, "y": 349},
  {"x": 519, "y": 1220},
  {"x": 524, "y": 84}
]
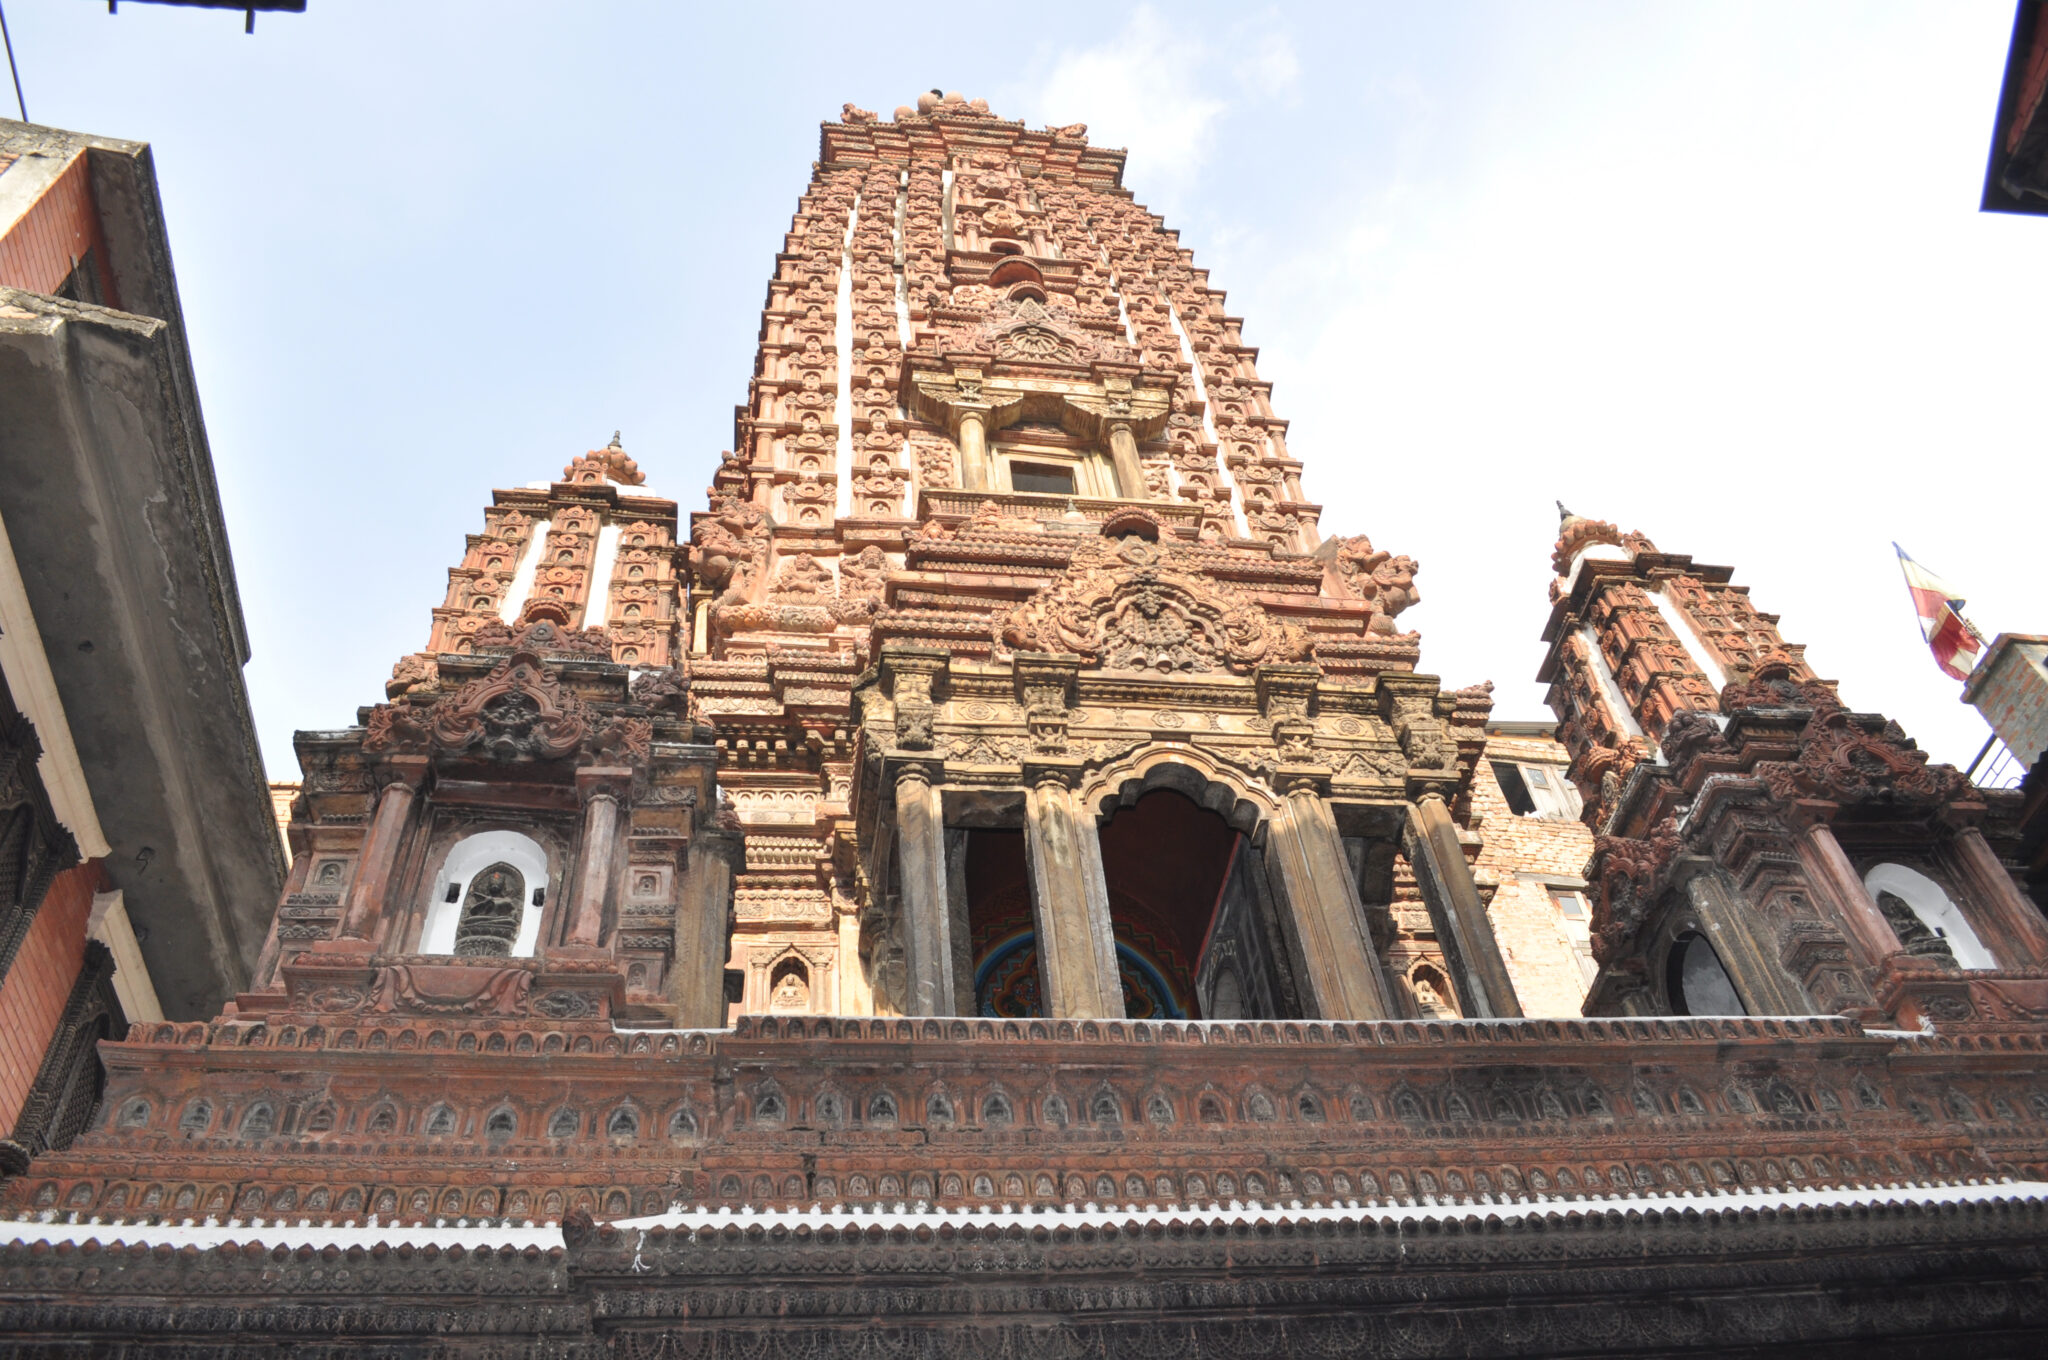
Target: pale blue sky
[{"x": 1712, "y": 271}]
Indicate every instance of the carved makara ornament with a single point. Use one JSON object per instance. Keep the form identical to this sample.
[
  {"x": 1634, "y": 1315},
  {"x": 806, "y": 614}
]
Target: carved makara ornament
[
  {"x": 1140, "y": 608},
  {"x": 1627, "y": 875},
  {"x": 400, "y": 729},
  {"x": 1385, "y": 581},
  {"x": 416, "y": 673},
  {"x": 662, "y": 690},
  {"x": 517, "y": 712}
]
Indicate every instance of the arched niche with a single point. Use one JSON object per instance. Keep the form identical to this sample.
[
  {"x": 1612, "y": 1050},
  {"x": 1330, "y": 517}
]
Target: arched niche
[
  {"x": 1434, "y": 999},
  {"x": 1931, "y": 904},
  {"x": 789, "y": 986},
  {"x": 466, "y": 859}
]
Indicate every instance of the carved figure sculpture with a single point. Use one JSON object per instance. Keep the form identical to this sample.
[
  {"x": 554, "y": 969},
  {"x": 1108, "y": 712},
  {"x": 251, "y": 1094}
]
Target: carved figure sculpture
[
  {"x": 491, "y": 912},
  {"x": 1914, "y": 935}
]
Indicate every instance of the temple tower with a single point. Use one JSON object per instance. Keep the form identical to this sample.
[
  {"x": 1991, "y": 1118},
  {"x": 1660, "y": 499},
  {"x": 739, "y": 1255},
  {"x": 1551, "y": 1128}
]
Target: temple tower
[
  {"x": 1038, "y": 688},
  {"x": 1762, "y": 848},
  {"x": 532, "y": 806},
  {"x": 782, "y": 940}
]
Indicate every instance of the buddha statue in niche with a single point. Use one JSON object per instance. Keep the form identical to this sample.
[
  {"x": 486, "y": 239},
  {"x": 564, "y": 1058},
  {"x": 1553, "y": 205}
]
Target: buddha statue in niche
[
  {"x": 491, "y": 912},
  {"x": 791, "y": 993},
  {"x": 1914, "y": 934}
]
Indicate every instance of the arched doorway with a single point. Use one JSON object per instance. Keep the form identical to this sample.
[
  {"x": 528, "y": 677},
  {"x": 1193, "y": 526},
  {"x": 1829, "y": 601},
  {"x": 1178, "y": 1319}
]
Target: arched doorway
[{"x": 1188, "y": 907}]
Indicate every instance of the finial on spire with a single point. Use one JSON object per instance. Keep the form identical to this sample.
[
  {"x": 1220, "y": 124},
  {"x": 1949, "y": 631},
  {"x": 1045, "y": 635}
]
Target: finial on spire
[
  {"x": 1564, "y": 516},
  {"x": 615, "y": 444}
]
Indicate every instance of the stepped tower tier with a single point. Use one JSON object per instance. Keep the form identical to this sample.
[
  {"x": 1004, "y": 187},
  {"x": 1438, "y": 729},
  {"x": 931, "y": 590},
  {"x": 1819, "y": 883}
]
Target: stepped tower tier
[
  {"x": 1763, "y": 848},
  {"x": 530, "y": 817},
  {"x": 1010, "y": 594}
]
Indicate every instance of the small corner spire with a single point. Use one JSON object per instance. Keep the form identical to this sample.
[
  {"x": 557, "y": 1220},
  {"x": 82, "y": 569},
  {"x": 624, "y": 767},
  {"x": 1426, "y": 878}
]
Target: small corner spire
[{"x": 615, "y": 444}]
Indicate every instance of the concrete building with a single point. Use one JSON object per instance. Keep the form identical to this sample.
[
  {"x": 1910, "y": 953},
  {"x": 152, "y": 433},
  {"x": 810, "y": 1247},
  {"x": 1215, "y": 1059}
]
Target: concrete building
[{"x": 138, "y": 863}]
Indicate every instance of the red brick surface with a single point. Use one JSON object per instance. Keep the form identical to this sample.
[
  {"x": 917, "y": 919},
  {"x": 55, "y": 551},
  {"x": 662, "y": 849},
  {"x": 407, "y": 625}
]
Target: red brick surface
[
  {"x": 32, "y": 997},
  {"x": 1534, "y": 938},
  {"x": 38, "y": 252}
]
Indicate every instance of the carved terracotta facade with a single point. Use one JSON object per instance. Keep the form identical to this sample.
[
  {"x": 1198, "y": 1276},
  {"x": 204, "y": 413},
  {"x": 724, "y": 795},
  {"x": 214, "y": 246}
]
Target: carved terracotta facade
[
  {"x": 1012, "y": 845},
  {"x": 1739, "y": 800}
]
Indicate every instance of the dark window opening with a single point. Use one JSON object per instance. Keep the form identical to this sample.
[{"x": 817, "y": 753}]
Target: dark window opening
[
  {"x": 1697, "y": 981},
  {"x": 735, "y": 986},
  {"x": 1511, "y": 784},
  {"x": 82, "y": 284},
  {"x": 1042, "y": 478}
]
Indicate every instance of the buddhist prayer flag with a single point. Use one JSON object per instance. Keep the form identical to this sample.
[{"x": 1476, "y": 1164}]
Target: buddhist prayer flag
[{"x": 1954, "y": 642}]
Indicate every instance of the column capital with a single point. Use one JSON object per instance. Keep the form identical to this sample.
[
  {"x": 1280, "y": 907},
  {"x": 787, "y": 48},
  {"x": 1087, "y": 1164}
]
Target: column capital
[
  {"x": 1042, "y": 773},
  {"x": 409, "y": 771},
  {"x": 930, "y": 773},
  {"x": 604, "y": 781}
]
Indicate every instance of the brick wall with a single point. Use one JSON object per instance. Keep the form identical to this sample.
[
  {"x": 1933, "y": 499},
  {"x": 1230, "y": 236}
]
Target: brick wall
[
  {"x": 61, "y": 227},
  {"x": 33, "y": 995},
  {"x": 2010, "y": 688},
  {"x": 1518, "y": 853}
]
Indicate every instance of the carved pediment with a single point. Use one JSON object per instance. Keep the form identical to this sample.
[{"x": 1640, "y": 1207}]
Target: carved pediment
[
  {"x": 1138, "y": 606},
  {"x": 520, "y": 711},
  {"x": 1028, "y": 331}
]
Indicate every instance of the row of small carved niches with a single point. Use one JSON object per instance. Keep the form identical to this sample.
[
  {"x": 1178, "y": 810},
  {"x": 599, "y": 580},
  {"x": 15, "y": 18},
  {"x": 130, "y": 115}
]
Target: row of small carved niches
[
  {"x": 240, "y": 1201},
  {"x": 432, "y": 1175},
  {"x": 399, "y": 1194},
  {"x": 1788, "y": 1120},
  {"x": 1122, "y": 1181}
]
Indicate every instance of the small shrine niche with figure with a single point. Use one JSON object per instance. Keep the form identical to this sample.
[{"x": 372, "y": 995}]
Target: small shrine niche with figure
[{"x": 789, "y": 988}]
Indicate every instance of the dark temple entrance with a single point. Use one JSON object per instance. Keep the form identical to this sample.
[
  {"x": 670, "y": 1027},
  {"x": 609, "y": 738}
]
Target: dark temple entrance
[{"x": 1192, "y": 916}]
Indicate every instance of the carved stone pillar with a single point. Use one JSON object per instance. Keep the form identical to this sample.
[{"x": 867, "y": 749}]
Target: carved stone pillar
[
  {"x": 362, "y": 917},
  {"x": 1070, "y": 903},
  {"x": 1123, "y": 453},
  {"x": 957, "y": 925},
  {"x": 604, "y": 791},
  {"x": 1334, "y": 963},
  {"x": 1461, "y": 921},
  {"x": 927, "y": 917},
  {"x": 2001, "y": 913},
  {"x": 974, "y": 467},
  {"x": 1831, "y": 874},
  {"x": 703, "y": 911},
  {"x": 1745, "y": 943}
]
